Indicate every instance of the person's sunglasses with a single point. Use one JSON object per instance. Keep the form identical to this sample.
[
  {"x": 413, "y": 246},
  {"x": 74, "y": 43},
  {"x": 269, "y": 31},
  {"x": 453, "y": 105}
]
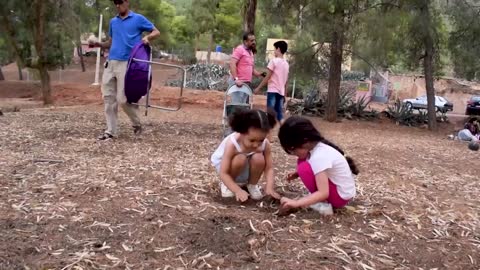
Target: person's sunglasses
[{"x": 118, "y": 2}]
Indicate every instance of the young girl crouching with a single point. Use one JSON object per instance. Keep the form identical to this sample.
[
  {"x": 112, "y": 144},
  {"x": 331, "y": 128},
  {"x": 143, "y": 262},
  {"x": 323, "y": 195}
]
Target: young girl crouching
[
  {"x": 245, "y": 155},
  {"x": 322, "y": 166}
]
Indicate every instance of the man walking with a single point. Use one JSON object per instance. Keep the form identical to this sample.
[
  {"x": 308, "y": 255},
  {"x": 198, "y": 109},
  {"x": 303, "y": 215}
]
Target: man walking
[
  {"x": 125, "y": 32},
  {"x": 242, "y": 66}
]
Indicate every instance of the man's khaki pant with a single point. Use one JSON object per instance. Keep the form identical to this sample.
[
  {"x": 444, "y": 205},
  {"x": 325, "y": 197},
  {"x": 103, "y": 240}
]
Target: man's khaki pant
[{"x": 113, "y": 92}]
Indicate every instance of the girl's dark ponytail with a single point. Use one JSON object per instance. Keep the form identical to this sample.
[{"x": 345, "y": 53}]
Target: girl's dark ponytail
[
  {"x": 297, "y": 130},
  {"x": 351, "y": 163}
]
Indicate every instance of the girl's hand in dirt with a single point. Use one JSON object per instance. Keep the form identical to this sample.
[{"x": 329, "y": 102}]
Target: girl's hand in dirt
[
  {"x": 288, "y": 203},
  {"x": 273, "y": 193},
  {"x": 241, "y": 195},
  {"x": 292, "y": 176}
]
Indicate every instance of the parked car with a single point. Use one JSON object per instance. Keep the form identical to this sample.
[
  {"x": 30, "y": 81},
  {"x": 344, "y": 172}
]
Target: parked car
[
  {"x": 419, "y": 103},
  {"x": 160, "y": 54},
  {"x": 473, "y": 106}
]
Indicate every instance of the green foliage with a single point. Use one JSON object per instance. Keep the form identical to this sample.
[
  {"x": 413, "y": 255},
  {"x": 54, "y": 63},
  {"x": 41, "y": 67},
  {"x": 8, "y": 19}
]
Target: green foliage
[
  {"x": 302, "y": 87},
  {"x": 161, "y": 14},
  {"x": 402, "y": 115},
  {"x": 419, "y": 28},
  {"x": 186, "y": 54},
  {"x": 6, "y": 56},
  {"x": 181, "y": 6},
  {"x": 228, "y": 23},
  {"x": 304, "y": 51},
  {"x": 360, "y": 109},
  {"x": 348, "y": 107},
  {"x": 464, "y": 41},
  {"x": 379, "y": 38},
  {"x": 20, "y": 30},
  {"x": 220, "y": 18},
  {"x": 181, "y": 31}
]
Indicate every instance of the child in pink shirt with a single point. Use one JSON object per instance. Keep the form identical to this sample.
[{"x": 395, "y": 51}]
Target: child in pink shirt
[
  {"x": 323, "y": 167},
  {"x": 277, "y": 77}
]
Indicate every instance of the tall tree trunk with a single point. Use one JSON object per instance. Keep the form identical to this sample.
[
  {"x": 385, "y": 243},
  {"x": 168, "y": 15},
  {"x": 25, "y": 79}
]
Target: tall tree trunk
[
  {"x": 6, "y": 25},
  {"x": 249, "y": 10},
  {"x": 2, "y": 78},
  {"x": 20, "y": 73},
  {"x": 335, "y": 72},
  {"x": 39, "y": 33},
  {"x": 197, "y": 37},
  {"x": 429, "y": 71},
  {"x": 46, "y": 88},
  {"x": 80, "y": 54},
  {"x": 209, "y": 50},
  {"x": 428, "y": 66},
  {"x": 300, "y": 18}
]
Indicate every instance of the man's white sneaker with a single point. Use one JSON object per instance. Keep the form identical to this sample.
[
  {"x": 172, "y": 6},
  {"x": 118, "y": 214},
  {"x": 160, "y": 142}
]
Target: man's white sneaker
[
  {"x": 226, "y": 193},
  {"x": 255, "y": 192},
  {"x": 323, "y": 208}
]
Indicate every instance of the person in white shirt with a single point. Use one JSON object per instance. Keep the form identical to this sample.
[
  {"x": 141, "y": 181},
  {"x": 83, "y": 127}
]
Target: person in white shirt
[
  {"x": 322, "y": 166},
  {"x": 243, "y": 156}
]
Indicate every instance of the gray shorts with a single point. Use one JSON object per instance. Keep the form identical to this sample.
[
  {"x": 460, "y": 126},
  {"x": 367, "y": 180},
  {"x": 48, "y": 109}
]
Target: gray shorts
[{"x": 242, "y": 179}]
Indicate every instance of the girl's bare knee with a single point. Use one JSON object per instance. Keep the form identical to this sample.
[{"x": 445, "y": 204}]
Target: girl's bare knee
[
  {"x": 238, "y": 163},
  {"x": 257, "y": 161}
]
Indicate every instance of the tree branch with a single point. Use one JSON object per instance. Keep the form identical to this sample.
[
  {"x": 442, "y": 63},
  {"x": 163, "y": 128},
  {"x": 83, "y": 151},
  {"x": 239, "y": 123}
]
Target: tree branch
[
  {"x": 383, "y": 4},
  {"x": 362, "y": 58},
  {"x": 306, "y": 49},
  {"x": 461, "y": 32}
]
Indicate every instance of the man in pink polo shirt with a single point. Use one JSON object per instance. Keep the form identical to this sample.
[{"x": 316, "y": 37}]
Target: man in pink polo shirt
[{"x": 242, "y": 66}]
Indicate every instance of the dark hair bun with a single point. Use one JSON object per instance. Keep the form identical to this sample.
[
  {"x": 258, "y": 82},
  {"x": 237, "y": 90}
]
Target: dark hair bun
[{"x": 244, "y": 119}]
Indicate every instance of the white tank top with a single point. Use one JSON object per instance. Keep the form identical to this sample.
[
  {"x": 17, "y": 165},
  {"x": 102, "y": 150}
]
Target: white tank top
[{"x": 217, "y": 156}]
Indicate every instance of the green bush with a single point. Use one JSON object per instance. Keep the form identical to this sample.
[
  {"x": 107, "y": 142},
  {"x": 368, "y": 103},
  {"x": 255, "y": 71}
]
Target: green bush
[
  {"x": 402, "y": 115},
  {"x": 314, "y": 103}
]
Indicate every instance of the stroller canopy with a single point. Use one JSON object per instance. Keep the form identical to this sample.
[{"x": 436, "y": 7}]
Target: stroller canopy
[{"x": 138, "y": 78}]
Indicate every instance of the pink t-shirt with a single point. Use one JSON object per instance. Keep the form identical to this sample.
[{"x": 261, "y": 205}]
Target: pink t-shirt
[
  {"x": 245, "y": 63},
  {"x": 279, "y": 68}
]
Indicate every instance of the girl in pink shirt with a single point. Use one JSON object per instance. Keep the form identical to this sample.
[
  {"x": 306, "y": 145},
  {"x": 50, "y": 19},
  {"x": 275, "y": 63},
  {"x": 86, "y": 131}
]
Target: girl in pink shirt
[{"x": 322, "y": 166}]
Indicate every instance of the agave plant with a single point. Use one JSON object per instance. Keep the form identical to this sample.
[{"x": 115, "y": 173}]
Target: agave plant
[
  {"x": 315, "y": 104},
  {"x": 360, "y": 109},
  {"x": 402, "y": 115}
]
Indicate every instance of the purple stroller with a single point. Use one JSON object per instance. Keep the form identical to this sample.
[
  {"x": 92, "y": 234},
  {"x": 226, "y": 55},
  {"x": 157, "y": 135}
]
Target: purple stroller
[{"x": 138, "y": 78}]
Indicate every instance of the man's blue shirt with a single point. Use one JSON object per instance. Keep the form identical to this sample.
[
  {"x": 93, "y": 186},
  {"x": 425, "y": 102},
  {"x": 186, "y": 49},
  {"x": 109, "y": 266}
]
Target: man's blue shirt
[{"x": 126, "y": 33}]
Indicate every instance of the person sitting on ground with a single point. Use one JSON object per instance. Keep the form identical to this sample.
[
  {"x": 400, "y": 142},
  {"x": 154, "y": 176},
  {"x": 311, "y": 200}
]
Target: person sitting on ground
[
  {"x": 322, "y": 166},
  {"x": 243, "y": 156},
  {"x": 470, "y": 131}
]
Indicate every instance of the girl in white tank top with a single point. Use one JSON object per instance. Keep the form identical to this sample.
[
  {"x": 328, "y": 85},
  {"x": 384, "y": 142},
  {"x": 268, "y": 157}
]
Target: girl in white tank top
[{"x": 243, "y": 156}]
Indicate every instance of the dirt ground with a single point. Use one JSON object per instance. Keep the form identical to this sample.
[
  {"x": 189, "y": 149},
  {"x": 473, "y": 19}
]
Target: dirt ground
[{"x": 152, "y": 202}]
